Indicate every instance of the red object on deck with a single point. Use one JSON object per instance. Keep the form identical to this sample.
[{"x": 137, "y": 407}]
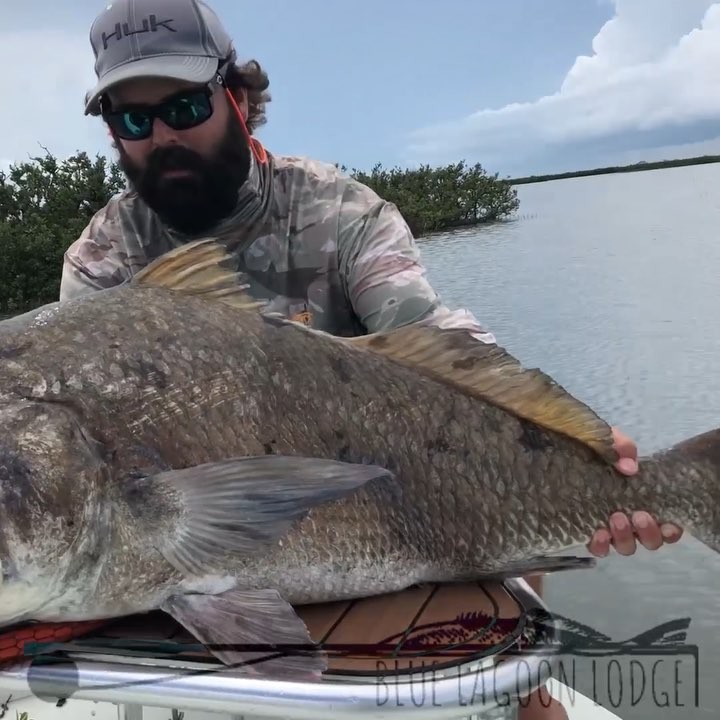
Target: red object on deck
[{"x": 12, "y": 642}]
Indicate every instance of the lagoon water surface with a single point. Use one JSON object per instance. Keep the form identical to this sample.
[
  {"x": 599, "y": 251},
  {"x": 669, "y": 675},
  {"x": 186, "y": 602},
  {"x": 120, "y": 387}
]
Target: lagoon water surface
[{"x": 611, "y": 284}]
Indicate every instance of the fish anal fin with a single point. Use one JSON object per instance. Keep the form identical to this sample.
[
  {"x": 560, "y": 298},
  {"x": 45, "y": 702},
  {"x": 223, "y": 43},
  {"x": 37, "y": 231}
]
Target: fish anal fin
[
  {"x": 541, "y": 565},
  {"x": 490, "y": 373},
  {"x": 254, "y": 631},
  {"x": 201, "y": 267}
]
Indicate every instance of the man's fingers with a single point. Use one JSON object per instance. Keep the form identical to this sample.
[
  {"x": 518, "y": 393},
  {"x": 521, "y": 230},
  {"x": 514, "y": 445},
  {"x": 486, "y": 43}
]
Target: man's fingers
[
  {"x": 624, "y": 445},
  {"x": 627, "y": 451},
  {"x": 671, "y": 533},
  {"x": 627, "y": 466},
  {"x": 622, "y": 534},
  {"x": 647, "y": 530},
  {"x": 600, "y": 543}
]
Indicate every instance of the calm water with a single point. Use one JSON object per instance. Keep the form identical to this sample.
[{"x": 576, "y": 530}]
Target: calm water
[{"x": 611, "y": 284}]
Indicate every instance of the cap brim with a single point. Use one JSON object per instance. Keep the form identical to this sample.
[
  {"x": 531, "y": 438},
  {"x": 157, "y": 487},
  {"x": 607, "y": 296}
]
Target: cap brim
[{"x": 192, "y": 69}]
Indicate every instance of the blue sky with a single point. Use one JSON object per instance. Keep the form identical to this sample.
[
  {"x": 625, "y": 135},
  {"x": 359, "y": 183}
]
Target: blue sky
[{"x": 520, "y": 86}]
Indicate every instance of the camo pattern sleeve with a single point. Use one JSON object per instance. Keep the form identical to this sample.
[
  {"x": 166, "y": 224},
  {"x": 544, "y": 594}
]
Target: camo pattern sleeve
[
  {"x": 100, "y": 258},
  {"x": 385, "y": 278}
]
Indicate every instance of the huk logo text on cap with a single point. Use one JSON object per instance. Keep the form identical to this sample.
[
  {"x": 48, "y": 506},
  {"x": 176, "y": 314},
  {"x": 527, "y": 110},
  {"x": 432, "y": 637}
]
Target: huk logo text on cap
[{"x": 149, "y": 24}]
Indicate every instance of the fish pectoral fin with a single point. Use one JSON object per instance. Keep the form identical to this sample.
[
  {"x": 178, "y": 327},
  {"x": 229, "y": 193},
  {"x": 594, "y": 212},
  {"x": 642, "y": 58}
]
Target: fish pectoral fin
[
  {"x": 253, "y": 630},
  {"x": 239, "y": 506},
  {"x": 489, "y": 372},
  {"x": 201, "y": 267},
  {"x": 541, "y": 565}
]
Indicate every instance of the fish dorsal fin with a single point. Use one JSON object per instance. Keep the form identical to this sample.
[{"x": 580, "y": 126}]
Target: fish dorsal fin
[
  {"x": 198, "y": 268},
  {"x": 490, "y": 373}
]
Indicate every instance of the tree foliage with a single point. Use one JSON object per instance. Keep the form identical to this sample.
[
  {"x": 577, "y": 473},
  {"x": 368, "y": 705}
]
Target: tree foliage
[
  {"x": 433, "y": 199},
  {"x": 46, "y": 203},
  {"x": 44, "y": 206}
]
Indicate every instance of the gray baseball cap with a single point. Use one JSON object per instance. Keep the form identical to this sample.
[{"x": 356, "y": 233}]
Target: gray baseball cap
[{"x": 179, "y": 39}]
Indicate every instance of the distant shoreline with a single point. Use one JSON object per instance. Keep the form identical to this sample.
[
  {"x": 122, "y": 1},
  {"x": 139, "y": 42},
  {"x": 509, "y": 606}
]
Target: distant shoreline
[{"x": 635, "y": 167}]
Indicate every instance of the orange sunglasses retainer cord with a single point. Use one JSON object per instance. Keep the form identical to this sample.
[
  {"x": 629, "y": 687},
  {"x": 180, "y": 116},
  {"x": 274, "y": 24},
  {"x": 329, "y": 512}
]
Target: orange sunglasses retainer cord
[{"x": 255, "y": 145}]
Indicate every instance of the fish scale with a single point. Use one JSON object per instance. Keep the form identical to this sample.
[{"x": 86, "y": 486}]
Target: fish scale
[{"x": 179, "y": 449}]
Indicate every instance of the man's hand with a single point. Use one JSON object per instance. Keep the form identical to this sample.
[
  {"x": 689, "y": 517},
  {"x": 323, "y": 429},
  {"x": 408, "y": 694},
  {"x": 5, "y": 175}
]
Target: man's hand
[{"x": 623, "y": 530}]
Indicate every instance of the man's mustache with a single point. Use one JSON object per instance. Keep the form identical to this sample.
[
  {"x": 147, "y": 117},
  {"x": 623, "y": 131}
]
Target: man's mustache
[{"x": 177, "y": 158}]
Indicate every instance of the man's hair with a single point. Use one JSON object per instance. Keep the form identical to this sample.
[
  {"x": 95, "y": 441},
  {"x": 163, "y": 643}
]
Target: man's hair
[{"x": 254, "y": 81}]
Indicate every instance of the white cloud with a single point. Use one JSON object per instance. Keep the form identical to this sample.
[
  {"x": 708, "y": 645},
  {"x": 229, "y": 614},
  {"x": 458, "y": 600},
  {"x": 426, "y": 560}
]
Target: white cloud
[
  {"x": 43, "y": 92},
  {"x": 655, "y": 68},
  {"x": 692, "y": 149}
]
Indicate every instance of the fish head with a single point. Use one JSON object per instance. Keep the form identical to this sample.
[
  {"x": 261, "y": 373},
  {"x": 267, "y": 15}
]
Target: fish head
[{"x": 50, "y": 472}]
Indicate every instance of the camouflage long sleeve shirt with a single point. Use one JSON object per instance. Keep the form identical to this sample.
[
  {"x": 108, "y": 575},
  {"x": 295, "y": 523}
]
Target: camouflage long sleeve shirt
[{"x": 318, "y": 245}]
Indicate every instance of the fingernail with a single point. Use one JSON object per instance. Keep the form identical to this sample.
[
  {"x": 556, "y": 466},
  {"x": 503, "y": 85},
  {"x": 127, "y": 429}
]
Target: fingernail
[
  {"x": 667, "y": 532},
  {"x": 620, "y": 523},
  {"x": 641, "y": 521},
  {"x": 628, "y": 465}
]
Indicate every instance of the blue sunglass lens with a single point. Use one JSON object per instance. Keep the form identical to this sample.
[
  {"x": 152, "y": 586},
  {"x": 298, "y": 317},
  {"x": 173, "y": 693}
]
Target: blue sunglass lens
[{"x": 180, "y": 113}]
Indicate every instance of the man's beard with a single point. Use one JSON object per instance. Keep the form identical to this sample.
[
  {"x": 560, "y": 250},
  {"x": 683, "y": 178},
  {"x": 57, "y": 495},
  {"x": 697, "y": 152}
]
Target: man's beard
[{"x": 194, "y": 203}]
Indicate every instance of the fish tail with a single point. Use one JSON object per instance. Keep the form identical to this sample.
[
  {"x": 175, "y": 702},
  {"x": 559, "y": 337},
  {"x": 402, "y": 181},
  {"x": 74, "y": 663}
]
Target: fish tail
[{"x": 685, "y": 478}]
